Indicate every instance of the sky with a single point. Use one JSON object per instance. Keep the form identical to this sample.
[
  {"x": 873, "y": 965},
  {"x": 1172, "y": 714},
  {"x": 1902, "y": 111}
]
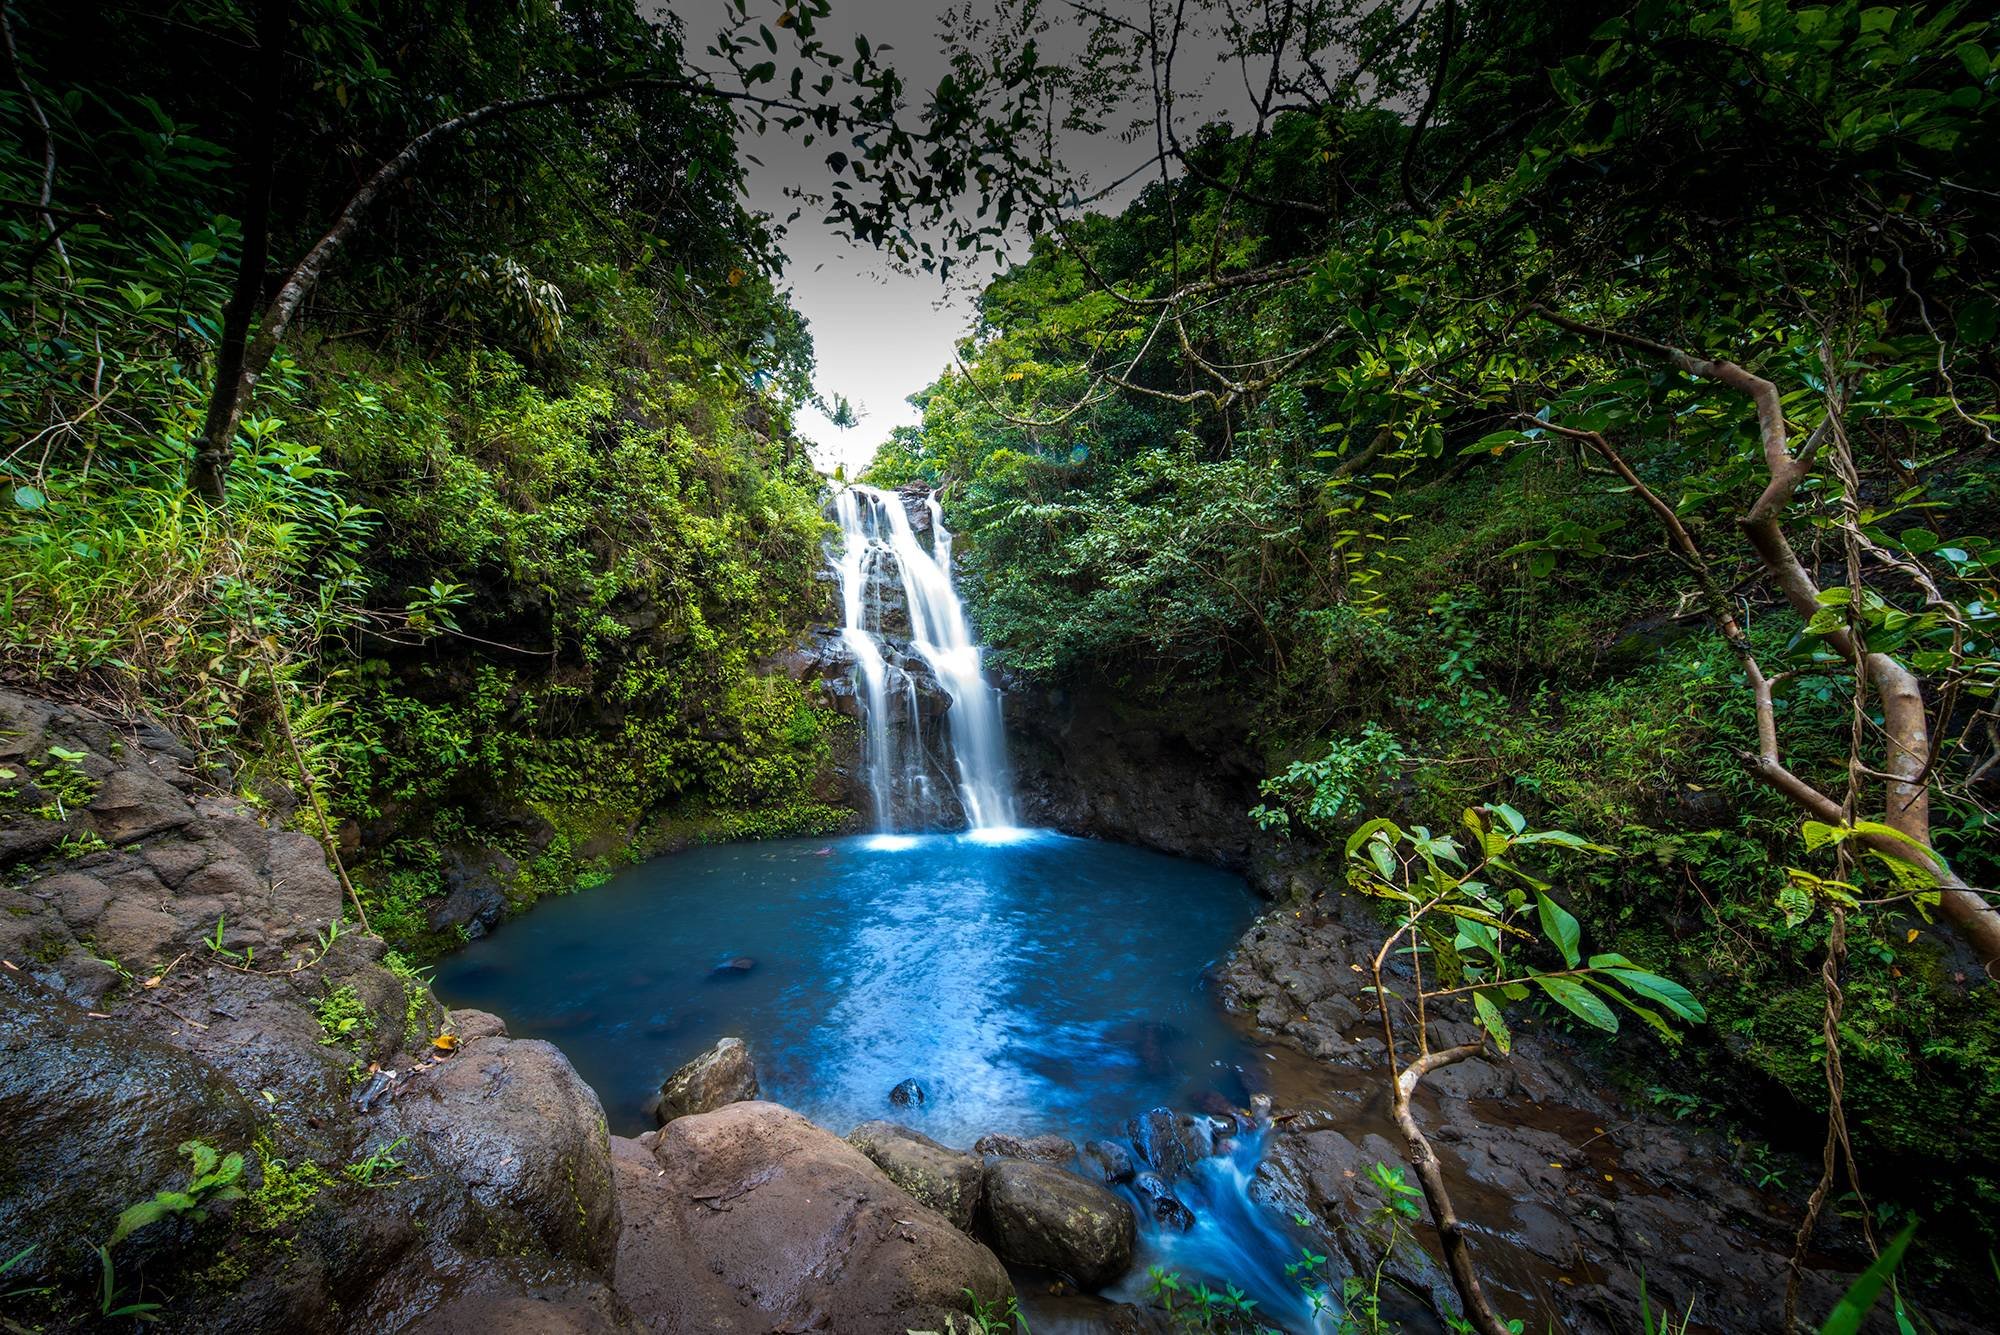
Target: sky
[{"x": 880, "y": 336}]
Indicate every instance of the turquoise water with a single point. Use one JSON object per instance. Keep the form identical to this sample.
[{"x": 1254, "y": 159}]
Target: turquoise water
[{"x": 1038, "y": 984}]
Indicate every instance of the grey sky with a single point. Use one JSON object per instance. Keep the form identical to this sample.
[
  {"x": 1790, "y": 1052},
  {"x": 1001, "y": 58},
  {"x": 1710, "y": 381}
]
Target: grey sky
[{"x": 882, "y": 335}]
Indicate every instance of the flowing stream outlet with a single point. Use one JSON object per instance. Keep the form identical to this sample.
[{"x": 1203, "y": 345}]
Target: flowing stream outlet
[{"x": 879, "y": 543}]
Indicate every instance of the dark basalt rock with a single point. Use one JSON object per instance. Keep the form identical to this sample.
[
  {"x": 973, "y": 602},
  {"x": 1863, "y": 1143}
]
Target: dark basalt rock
[
  {"x": 1165, "y": 1207},
  {"x": 907, "y": 1094},
  {"x": 94, "y": 1117},
  {"x": 1158, "y": 1138},
  {"x": 1113, "y": 1163}
]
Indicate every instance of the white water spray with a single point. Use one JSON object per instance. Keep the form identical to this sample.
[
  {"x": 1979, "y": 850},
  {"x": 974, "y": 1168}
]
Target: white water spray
[{"x": 876, "y": 533}]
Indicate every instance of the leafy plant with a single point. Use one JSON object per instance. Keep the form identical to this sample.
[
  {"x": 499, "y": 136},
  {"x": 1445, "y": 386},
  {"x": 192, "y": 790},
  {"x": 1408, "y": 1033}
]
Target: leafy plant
[
  {"x": 379, "y": 1160},
  {"x": 1495, "y": 935},
  {"x": 343, "y": 1016},
  {"x": 211, "y": 1181}
]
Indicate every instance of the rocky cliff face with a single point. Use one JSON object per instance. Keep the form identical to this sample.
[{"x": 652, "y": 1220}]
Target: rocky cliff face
[{"x": 1179, "y": 777}]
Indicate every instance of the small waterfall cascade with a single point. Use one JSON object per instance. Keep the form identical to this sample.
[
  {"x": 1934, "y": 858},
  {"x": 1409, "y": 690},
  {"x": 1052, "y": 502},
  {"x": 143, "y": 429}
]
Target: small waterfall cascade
[{"x": 904, "y": 625}]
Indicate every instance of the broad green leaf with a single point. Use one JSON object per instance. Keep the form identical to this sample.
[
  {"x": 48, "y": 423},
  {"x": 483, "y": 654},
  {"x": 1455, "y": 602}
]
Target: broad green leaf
[
  {"x": 1579, "y": 1001},
  {"x": 1663, "y": 990},
  {"x": 1859, "y": 1300},
  {"x": 1490, "y": 1020},
  {"x": 29, "y": 498},
  {"x": 1559, "y": 927},
  {"x": 1368, "y": 831}
]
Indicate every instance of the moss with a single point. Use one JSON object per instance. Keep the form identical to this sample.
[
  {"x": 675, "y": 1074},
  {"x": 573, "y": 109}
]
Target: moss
[
  {"x": 284, "y": 1196},
  {"x": 344, "y": 1018}
]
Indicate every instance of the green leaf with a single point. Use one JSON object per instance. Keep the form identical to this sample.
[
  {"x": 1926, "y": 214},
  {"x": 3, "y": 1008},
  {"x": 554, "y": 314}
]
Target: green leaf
[
  {"x": 1559, "y": 927},
  {"x": 1491, "y": 1021},
  {"x": 1663, "y": 990},
  {"x": 1368, "y": 830},
  {"x": 1579, "y": 1001},
  {"x": 29, "y": 498},
  {"x": 1859, "y": 1300}
]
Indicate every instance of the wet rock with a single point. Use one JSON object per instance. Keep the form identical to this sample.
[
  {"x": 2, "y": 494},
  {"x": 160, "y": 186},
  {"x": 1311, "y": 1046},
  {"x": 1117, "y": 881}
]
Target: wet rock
[
  {"x": 722, "y": 1075},
  {"x": 1113, "y": 1164},
  {"x": 733, "y": 968},
  {"x": 1041, "y": 1216},
  {"x": 473, "y": 905},
  {"x": 94, "y": 1115},
  {"x": 512, "y": 1120},
  {"x": 1158, "y": 1137},
  {"x": 1048, "y": 1149},
  {"x": 1165, "y": 1207},
  {"x": 907, "y": 1094},
  {"x": 944, "y": 1179},
  {"x": 750, "y": 1219}
]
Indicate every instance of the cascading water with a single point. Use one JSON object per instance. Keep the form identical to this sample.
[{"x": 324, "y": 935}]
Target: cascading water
[{"x": 877, "y": 538}]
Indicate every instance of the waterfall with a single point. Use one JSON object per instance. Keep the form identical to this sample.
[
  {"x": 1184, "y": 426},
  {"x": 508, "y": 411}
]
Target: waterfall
[{"x": 879, "y": 543}]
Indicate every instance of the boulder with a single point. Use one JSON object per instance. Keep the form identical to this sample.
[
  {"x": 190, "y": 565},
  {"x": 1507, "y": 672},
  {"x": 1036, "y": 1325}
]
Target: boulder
[
  {"x": 1041, "y": 1216},
  {"x": 1166, "y": 1143},
  {"x": 907, "y": 1094},
  {"x": 724, "y": 1074},
  {"x": 751, "y": 1219},
  {"x": 1048, "y": 1149},
  {"x": 512, "y": 1121},
  {"x": 944, "y": 1179}
]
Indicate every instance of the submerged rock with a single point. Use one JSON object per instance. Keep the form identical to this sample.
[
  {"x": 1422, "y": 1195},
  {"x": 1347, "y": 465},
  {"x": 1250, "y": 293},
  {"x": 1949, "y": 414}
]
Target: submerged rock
[
  {"x": 945, "y": 1179},
  {"x": 724, "y": 1074},
  {"x": 1048, "y": 1149},
  {"x": 733, "y": 968},
  {"x": 1042, "y": 1216},
  {"x": 750, "y": 1219},
  {"x": 907, "y": 1094}
]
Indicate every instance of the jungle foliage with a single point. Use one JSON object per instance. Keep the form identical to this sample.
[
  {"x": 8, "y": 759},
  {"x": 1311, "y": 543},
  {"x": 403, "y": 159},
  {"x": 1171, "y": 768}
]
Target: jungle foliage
[
  {"x": 1454, "y": 445},
  {"x": 516, "y": 507}
]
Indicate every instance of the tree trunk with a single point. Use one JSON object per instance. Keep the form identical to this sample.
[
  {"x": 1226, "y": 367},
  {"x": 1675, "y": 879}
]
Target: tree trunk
[
  {"x": 228, "y": 399},
  {"x": 1430, "y": 1176}
]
